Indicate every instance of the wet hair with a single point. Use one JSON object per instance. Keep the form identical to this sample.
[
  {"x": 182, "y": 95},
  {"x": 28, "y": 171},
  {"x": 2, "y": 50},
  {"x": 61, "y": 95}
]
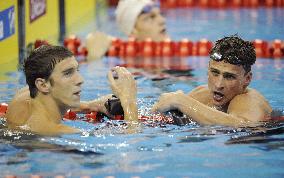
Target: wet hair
[
  {"x": 234, "y": 50},
  {"x": 41, "y": 62}
]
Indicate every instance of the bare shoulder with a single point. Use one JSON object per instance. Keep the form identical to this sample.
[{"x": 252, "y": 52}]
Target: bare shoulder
[
  {"x": 251, "y": 96},
  {"x": 198, "y": 90},
  {"x": 19, "y": 108},
  {"x": 251, "y": 105},
  {"x": 200, "y": 93}
]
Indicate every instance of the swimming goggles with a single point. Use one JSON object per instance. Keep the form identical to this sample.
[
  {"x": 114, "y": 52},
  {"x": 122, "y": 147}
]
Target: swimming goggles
[
  {"x": 148, "y": 8},
  {"x": 231, "y": 59}
]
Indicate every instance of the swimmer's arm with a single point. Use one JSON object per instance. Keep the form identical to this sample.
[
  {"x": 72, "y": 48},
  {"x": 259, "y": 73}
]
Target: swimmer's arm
[
  {"x": 130, "y": 109},
  {"x": 244, "y": 110},
  {"x": 196, "y": 110},
  {"x": 97, "y": 44},
  {"x": 249, "y": 107},
  {"x": 94, "y": 105},
  {"x": 204, "y": 114},
  {"x": 124, "y": 87}
]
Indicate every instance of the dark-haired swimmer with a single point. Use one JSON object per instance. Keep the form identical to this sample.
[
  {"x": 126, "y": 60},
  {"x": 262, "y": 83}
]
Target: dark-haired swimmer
[
  {"x": 226, "y": 100},
  {"x": 54, "y": 86}
]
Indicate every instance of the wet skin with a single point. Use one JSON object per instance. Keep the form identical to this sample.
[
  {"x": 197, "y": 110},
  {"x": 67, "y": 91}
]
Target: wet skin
[
  {"x": 61, "y": 92},
  {"x": 66, "y": 82},
  {"x": 226, "y": 100},
  {"x": 43, "y": 113},
  {"x": 225, "y": 81},
  {"x": 150, "y": 25}
]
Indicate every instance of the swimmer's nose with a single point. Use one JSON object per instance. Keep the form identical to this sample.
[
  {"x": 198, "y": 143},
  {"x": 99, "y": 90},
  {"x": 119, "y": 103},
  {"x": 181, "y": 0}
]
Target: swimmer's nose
[
  {"x": 79, "y": 80},
  {"x": 219, "y": 83}
]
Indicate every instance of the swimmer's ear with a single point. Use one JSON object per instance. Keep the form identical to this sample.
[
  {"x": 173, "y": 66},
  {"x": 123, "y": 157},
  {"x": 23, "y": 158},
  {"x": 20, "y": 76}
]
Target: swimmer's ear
[
  {"x": 248, "y": 78},
  {"x": 42, "y": 85}
]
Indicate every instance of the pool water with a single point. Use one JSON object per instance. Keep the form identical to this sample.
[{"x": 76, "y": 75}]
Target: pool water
[{"x": 152, "y": 150}]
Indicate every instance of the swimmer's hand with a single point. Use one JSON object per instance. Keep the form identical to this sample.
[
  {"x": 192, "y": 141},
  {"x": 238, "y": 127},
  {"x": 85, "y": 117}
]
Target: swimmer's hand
[
  {"x": 97, "y": 44},
  {"x": 169, "y": 101},
  {"x": 124, "y": 87},
  {"x": 122, "y": 83}
]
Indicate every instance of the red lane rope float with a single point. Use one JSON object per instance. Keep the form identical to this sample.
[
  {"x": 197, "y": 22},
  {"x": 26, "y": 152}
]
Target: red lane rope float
[
  {"x": 132, "y": 48},
  {"x": 168, "y": 48},
  {"x": 261, "y": 48},
  {"x": 203, "y": 47},
  {"x": 277, "y": 49},
  {"x": 172, "y": 63},
  {"x": 74, "y": 44},
  {"x": 274, "y": 49},
  {"x": 3, "y": 109}
]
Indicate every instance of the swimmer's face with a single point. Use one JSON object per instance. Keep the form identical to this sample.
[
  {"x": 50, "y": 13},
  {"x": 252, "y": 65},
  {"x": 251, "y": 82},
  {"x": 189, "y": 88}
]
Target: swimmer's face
[
  {"x": 66, "y": 83},
  {"x": 150, "y": 25},
  {"x": 225, "y": 81}
]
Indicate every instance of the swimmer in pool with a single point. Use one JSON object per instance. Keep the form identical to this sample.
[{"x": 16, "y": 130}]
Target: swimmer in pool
[
  {"x": 54, "y": 86},
  {"x": 226, "y": 100},
  {"x": 140, "y": 19}
]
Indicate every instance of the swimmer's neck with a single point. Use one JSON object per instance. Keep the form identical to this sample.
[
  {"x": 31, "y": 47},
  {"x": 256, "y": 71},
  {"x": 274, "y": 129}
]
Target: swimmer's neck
[
  {"x": 223, "y": 108},
  {"x": 48, "y": 107}
]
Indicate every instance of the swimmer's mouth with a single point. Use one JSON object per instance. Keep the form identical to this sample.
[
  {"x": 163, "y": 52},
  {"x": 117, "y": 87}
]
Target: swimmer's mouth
[
  {"x": 78, "y": 93},
  {"x": 218, "y": 96},
  {"x": 164, "y": 31}
]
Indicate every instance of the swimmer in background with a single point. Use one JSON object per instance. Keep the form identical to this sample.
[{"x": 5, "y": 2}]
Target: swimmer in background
[
  {"x": 140, "y": 19},
  {"x": 54, "y": 86},
  {"x": 226, "y": 100}
]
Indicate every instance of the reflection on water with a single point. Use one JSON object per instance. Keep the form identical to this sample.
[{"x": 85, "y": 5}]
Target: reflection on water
[{"x": 265, "y": 134}]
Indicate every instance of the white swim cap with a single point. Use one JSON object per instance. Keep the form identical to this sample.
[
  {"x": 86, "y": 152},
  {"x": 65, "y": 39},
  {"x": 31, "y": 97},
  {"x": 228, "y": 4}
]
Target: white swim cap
[{"x": 127, "y": 12}]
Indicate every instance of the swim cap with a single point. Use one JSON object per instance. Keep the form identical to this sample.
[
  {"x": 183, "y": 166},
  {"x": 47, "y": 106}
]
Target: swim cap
[{"x": 127, "y": 12}]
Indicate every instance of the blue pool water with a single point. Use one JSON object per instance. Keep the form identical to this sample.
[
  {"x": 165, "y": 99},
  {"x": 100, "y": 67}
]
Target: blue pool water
[
  {"x": 166, "y": 150},
  {"x": 196, "y": 23}
]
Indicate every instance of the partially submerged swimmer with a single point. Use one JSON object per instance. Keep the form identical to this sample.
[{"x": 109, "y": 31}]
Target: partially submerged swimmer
[
  {"x": 140, "y": 19},
  {"x": 54, "y": 86},
  {"x": 226, "y": 100}
]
